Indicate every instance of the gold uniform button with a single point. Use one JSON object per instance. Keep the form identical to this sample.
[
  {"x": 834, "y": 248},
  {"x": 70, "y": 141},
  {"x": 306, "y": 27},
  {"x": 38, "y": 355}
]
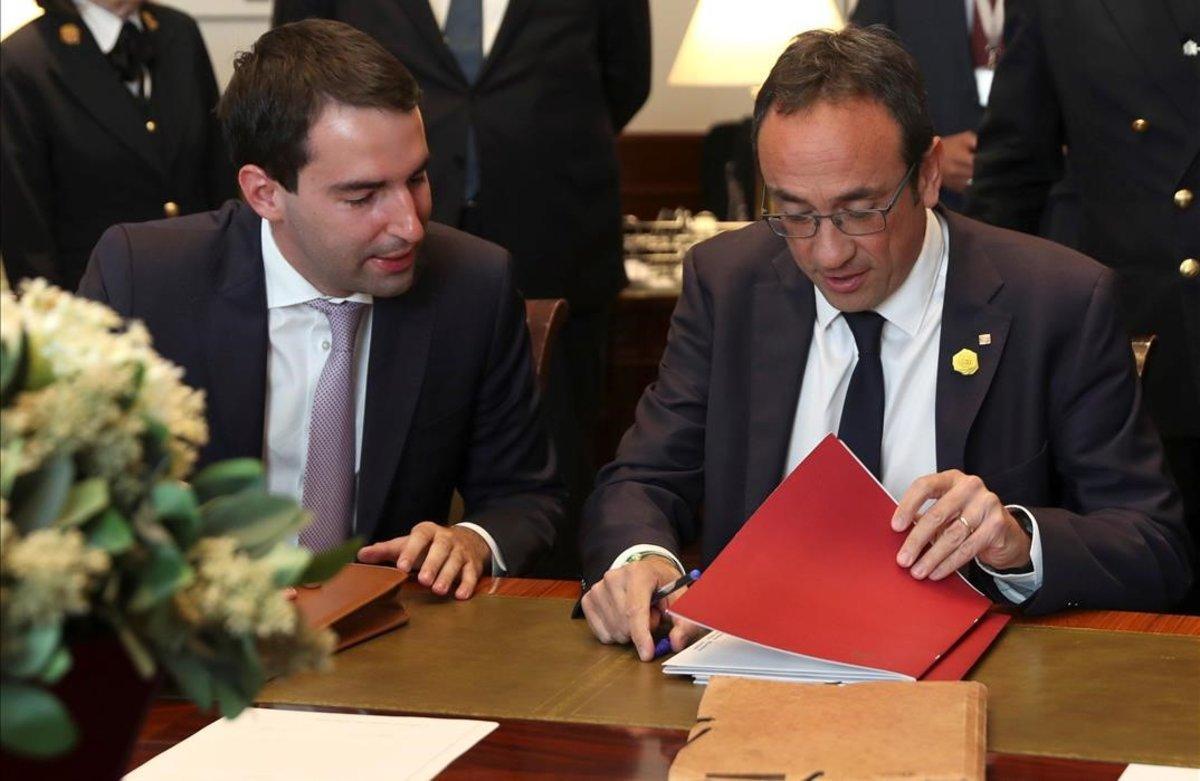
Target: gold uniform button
[
  {"x": 151, "y": 126},
  {"x": 1140, "y": 125},
  {"x": 1184, "y": 198},
  {"x": 1190, "y": 268},
  {"x": 171, "y": 209}
]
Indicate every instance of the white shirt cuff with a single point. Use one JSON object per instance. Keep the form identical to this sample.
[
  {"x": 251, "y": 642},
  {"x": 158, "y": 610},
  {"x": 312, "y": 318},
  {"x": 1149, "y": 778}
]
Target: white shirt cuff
[
  {"x": 1019, "y": 586},
  {"x": 498, "y": 567},
  {"x": 623, "y": 558}
]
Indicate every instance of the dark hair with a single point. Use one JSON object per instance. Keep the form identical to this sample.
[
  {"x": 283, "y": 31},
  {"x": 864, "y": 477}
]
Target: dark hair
[
  {"x": 855, "y": 62},
  {"x": 281, "y": 85}
]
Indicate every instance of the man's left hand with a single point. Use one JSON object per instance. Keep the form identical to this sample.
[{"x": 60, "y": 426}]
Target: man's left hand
[
  {"x": 445, "y": 555},
  {"x": 966, "y": 521}
]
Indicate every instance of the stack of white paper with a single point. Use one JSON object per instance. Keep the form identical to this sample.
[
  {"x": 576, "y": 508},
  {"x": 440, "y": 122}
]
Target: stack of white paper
[
  {"x": 265, "y": 743},
  {"x": 720, "y": 654}
]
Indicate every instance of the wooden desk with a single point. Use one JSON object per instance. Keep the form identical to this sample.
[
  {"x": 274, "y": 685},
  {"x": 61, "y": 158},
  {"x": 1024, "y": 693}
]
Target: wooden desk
[{"x": 535, "y": 749}]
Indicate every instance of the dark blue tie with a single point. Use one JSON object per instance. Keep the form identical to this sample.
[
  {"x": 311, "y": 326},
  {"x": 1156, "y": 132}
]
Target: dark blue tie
[
  {"x": 464, "y": 36},
  {"x": 862, "y": 413}
]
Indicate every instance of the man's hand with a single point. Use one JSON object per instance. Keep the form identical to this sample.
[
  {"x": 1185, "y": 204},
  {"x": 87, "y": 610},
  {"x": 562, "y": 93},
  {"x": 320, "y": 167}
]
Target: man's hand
[
  {"x": 618, "y": 607},
  {"x": 958, "y": 160},
  {"x": 967, "y": 521},
  {"x": 445, "y": 554}
]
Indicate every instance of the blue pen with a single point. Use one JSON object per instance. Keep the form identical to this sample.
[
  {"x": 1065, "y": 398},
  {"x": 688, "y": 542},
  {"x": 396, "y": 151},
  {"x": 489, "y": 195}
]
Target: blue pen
[{"x": 663, "y": 646}]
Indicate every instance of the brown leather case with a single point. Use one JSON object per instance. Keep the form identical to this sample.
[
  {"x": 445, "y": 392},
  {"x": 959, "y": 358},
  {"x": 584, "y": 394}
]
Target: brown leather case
[
  {"x": 890, "y": 730},
  {"x": 358, "y": 603}
]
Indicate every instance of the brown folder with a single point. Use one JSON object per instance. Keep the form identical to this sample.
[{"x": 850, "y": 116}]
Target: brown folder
[
  {"x": 889, "y": 730},
  {"x": 358, "y": 603}
]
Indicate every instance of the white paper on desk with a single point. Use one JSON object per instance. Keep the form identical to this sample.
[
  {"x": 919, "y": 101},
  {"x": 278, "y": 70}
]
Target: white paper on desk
[
  {"x": 1160, "y": 773},
  {"x": 267, "y": 743}
]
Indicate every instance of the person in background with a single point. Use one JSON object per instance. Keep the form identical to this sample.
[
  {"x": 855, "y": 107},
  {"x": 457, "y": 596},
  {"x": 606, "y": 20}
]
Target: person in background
[
  {"x": 957, "y": 44},
  {"x": 1111, "y": 90},
  {"x": 522, "y": 102},
  {"x": 106, "y": 116}
]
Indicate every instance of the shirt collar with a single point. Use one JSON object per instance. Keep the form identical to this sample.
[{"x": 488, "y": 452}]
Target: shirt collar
[
  {"x": 104, "y": 25},
  {"x": 907, "y": 306},
  {"x": 285, "y": 285}
]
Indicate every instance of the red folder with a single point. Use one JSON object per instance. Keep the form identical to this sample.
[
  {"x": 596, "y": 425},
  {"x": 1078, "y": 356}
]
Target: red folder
[{"x": 814, "y": 572}]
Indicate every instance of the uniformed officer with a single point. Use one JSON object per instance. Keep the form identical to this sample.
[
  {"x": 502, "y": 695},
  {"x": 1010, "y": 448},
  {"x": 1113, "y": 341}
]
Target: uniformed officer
[
  {"x": 1118, "y": 94},
  {"x": 107, "y": 117}
]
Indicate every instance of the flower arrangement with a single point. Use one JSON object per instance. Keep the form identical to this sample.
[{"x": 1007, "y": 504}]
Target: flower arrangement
[{"x": 99, "y": 533}]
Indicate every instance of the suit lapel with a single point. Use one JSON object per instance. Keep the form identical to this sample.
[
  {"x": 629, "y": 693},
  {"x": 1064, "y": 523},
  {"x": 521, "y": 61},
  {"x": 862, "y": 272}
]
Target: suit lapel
[
  {"x": 1155, "y": 40},
  {"x": 235, "y": 344},
  {"x": 171, "y": 81},
  {"x": 971, "y": 283},
  {"x": 401, "y": 331},
  {"x": 783, "y": 313},
  {"x": 510, "y": 27},
  {"x": 86, "y": 76},
  {"x": 420, "y": 13}
]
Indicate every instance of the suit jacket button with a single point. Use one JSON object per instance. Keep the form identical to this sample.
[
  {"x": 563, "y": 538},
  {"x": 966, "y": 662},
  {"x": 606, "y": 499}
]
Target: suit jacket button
[
  {"x": 171, "y": 209},
  {"x": 151, "y": 126},
  {"x": 1140, "y": 125},
  {"x": 1184, "y": 198},
  {"x": 1189, "y": 268}
]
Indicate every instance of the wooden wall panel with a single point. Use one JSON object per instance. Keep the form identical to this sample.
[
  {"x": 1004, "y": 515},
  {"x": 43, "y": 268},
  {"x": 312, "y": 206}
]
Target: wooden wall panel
[{"x": 659, "y": 170}]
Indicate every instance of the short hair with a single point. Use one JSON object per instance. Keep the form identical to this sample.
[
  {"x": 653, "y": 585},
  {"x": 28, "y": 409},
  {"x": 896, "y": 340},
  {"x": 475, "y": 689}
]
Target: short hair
[
  {"x": 281, "y": 85},
  {"x": 855, "y": 62}
]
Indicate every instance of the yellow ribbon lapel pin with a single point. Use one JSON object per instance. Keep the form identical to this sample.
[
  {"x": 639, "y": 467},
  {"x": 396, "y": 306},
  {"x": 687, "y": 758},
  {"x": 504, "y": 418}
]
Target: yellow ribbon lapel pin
[{"x": 965, "y": 362}]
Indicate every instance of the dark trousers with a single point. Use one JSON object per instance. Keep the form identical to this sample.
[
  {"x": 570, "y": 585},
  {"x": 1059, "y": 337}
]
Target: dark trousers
[{"x": 572, "y": 403}]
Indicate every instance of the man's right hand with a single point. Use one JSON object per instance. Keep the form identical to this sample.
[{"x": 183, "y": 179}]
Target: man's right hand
[
  {"x": 618, "y": 608},
  {"x": 958, "y": 160}
]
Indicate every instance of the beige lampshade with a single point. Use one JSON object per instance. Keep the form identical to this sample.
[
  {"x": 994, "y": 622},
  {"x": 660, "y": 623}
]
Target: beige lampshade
[
  {"x": 735, "y": 42},
  {"x": 14, "y": 13}
]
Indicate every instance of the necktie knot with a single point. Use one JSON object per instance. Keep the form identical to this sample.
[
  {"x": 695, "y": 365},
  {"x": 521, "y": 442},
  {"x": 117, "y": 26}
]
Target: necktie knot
[
  {"x": 867, "y": 328},
  {"x": 132, "y": 53},
  {"x": 344, "y": 318}
]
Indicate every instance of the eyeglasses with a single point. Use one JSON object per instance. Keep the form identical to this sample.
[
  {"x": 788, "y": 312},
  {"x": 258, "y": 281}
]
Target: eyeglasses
[{"x": 852, "y": 222}]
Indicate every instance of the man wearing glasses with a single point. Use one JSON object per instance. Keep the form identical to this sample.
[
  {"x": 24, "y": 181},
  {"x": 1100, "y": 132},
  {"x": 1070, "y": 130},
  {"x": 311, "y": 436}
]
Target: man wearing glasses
[{"x": 980, "y": 374}]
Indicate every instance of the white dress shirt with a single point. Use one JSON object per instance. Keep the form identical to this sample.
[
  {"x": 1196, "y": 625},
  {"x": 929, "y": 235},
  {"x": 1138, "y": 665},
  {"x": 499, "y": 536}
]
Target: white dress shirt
[
  {"x": 299, "y": 344},
  {"x": 493, "y": 15},
  {"x": 105, "y": 27},
  {"x": 909, "y": 354}
]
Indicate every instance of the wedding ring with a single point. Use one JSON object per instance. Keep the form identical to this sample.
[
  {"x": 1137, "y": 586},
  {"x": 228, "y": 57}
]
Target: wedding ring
[{"x": 963, "y": 520}]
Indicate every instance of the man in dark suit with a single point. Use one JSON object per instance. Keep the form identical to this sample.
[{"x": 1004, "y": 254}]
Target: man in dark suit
[
  {"x": 375, "y": 360},
  {"x": 967, "y": 366},
  {"x": 106, "y": 116},
  {"x": 522, "y": 101},
  {"x": 950, "y": 42},
  {"x": 1114, "y": 88}
]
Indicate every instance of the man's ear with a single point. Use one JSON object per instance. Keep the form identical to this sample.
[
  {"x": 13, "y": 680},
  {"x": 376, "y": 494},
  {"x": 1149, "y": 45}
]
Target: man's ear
[
  {"x": 929, "y": 174},
  {"x": 262, "y": 193}
]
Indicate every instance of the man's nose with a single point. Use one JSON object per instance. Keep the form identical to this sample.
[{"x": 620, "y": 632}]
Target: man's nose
[
  {"x": 404, "y": 220},
  {"x": 830, "y": 248}
]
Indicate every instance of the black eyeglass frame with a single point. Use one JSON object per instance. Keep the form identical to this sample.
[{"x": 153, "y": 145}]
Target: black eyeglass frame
[{"x": 776, "y": 219}]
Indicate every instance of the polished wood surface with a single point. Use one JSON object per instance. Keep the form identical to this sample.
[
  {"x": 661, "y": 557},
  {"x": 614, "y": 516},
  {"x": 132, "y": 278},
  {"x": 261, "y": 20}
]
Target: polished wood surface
[
  {"x": 659, "y": 171},
  {"x": 533, "y": 749}
]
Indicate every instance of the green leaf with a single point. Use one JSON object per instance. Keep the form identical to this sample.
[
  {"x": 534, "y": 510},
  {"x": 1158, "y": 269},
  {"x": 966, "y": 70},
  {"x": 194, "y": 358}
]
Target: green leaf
[
  {"x": 287, "y": 561},
  {"x": 84, "y": 501},
  {"x": 10, "y": 364},
  {"x": 33, "y": 721},
  {"x": 328, "y": 563},
  {"x": 231, "y": 700},
  {"x": 27, "y": 658},
  {"x": 10, "y": 466},
  {"x": 175, "y": 504},
  {"x": 164, "y": 573},
  {"x": 39, "y": 497},
  {"x": 110, "y": 532},
  {"x": 257, "y": 521},
  {"x": 229, "y": 477},
  {"x": 155, "y": 453},
  {"x": 192, "y": 677},
  {"x": 38, "y": 371},
  {"x": 58, "y": 666}
]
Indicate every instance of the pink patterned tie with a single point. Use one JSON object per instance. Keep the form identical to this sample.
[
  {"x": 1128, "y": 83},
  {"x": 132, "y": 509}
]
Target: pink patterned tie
[{"x": 329, "y": 471}]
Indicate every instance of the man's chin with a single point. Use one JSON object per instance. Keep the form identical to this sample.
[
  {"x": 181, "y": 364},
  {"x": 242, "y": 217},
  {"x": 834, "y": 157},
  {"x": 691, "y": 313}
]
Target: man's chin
[{"x": 390, "y": 285}]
